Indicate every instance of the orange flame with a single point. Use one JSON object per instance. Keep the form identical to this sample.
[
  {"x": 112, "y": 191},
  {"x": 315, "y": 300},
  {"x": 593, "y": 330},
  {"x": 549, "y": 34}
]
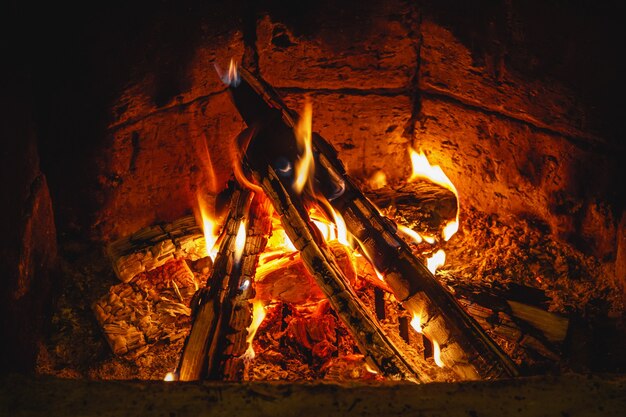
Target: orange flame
[
  {"x": 305, "y": 164},
  {"x": 416, "y": 322},
  {"x": 331, "y": 231},
  {"x": 208, "y": 227},
  {"x": 437, "y": 354},
  {"x": 423, "y": 169},
  {"x": 435, "y": 261},
  {"x": 169, "y": 377},
  {"x": 240, "y": 241},
  {"x": 410, "y": 233},
  {"x": 378, "y": 180},
  {"x": 232, "y": 76},
  {"x": 258, "y": 315}
]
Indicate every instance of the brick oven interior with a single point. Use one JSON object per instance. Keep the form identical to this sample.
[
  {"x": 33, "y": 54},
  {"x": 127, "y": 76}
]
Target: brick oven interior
[{"x": 115, "y": 119}]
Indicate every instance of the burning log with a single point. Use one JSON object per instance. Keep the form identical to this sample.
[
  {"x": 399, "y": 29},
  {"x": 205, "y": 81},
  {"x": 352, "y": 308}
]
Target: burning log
[
  {"x": 156, "y": 245},
  {"x": 465, "y": 347},
  {"x": 195, "y": 360},
  {"x": 379, "y": 351}
]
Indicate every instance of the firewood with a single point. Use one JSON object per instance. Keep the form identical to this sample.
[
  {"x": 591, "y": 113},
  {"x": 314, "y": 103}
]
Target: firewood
[
  {"x": 148, "y": 308},
  {"x": 379, "y": 351},
  {"x": 156, "y": 245},
  {"x": 465, "y": 347},
  {"x": 198, "y": 356},
  {"x": 286, "y": 279}
]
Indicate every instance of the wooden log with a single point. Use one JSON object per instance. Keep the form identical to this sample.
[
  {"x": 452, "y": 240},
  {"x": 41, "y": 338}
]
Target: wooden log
[
  {"x": 465, "y": 347},
  {"x": 156, "y": 245},
  {"x": 286, "y": 279},
  {"x": 197, "y": 357},
  {"x": 379, "y": 351},
  {"x": 231, "y": 340}
]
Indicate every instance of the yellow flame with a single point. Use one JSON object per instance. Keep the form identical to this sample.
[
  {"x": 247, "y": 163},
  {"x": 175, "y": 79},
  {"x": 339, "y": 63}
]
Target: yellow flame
[
  {"x": 331, "y": 231},
  {"x": 342, "y": 230},
  {"x": 169, "y": 377},
  {"x": 240, "y": 241},
  {"x": 208, "y": 227},
  {"x": 435, "y": 261},
  {"x": 233, "y": 74},
  {"x": 410, "y": 233},
  {"x": 416, "y": 322},
  {"x": 437, "y": 354},
  {"x": 378, "y": 180},
  {"x": 423, "y": 169},
  {"x": 370, "y": 369},
  {"x": 258, "y": 315},
  {"x": 305, "y": 165}
]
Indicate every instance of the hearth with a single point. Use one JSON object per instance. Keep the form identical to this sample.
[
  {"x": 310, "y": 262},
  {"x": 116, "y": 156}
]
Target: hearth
[{"x": 353, "y": 194}]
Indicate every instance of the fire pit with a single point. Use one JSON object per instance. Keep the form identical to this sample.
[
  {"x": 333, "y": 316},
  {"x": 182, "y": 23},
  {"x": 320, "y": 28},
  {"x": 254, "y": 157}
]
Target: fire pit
[{"x": 377, "y": 194}]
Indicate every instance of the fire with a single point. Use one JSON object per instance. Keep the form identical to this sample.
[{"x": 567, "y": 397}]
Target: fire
[
  {"x": 435, "y": 261},
  {"x": 410, "y": 233},
  {"x": 342, "y": 230},
  {"x": 240, "y": 241},
  {"x": 169, "y": 377},
  {"x": 378, "y": 180},
  {"x": 258, "y": 315},
  {"x": 208, "y": 227},
  {"x": 416, "y": 322},
  {"x": 331, "y": 231},
  {"x": 305, "y": 165},
  {"x": 437, "y": 354},
  {"x": 232, "y": 76},
  {"x": 423, "y": 169}
]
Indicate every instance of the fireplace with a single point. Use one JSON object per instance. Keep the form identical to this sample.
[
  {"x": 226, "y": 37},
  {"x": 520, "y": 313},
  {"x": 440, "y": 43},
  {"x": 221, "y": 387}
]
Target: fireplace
[{"x": 124, "y": 135}]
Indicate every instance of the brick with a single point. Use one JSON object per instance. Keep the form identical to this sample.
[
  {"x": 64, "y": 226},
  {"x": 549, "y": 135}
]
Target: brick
[{"x": 373, "y": 49}]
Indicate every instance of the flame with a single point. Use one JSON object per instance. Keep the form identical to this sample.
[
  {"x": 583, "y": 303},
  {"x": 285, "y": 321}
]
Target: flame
[
  {"x": 378, "y": 180},
  {"x": 370, "y": 369},
  {"x": 208, "y": 227},
  {"x": 331, "y": 231},
  {"x": 170, "y": 376},
  {"x": 435, "y": 261},
  {"x": 416, "y": 322},
  {"x": 230, "y": 78},
  {"x": 437, "y": 354},
  {"x": 240, "y": 241},
  {"x": 423, "y": 169},
  {"x": 410, "y": 233},
  {"x": 305, "y": 164},
  {"x": 258, "y": 315}
]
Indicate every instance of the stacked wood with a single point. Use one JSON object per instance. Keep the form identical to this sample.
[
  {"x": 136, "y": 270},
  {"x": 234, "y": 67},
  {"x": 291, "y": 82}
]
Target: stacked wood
[
  {"x": 147, "y": 309},
  {"x": 379, "y": 351},
  {"x": 465, "y": 347},
  {"x": 156, "y": 245}
]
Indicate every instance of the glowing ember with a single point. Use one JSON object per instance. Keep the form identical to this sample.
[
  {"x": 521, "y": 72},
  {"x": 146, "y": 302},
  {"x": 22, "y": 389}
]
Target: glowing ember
[
  {"x": 169, "y": 377},
  {"x": 378, "y": 180},
  {"x": 437, "y": 354},
  {"x": 410, "y": 233},
  {"x": 423, "y": 169},
  {"x": 305, "y": 165},
  {"x": 240, "y": 241},
  {"x": 208, "y": 227},
  {"x": 258, "y": 315},
  {"x": 416, "y": 322},
  {"x": 435, "y": 261}
]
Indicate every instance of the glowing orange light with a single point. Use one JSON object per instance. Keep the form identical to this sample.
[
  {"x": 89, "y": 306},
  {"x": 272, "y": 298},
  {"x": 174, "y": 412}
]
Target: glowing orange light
[
  {"x": 304, "y": 166},
  {"x": 258, "y": 315},
  {"x": 423, "y": 169},
  {"x": 240, "y": 241},
  {"x": 416, "y": 322},
  {"x": 437, "y": 354},
  {"x": 208, "y": 227},
  {"x": 378, "y": 180},
  {"x": 169, "y": 377},
  {"x": 435, "y": 261},
  {"x": 232, "y": 76},
  {"x": 417, "y": 238}
]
